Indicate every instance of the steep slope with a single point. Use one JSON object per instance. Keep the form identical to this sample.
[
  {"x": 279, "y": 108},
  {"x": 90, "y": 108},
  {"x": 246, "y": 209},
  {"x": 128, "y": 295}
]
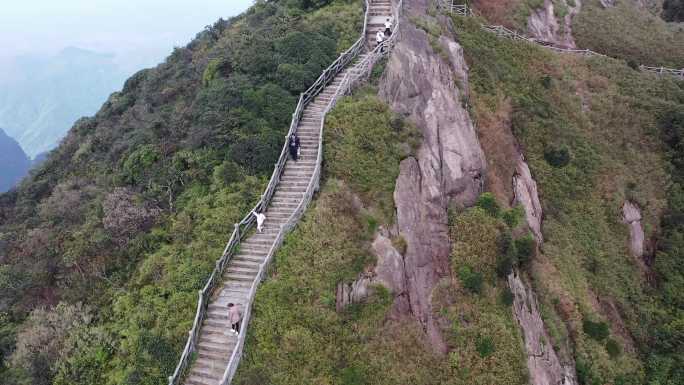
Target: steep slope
[
  {"x": 448, "y": 168},
  {"x": 590, "y": 132},
  {"x": 14, "y": 164},
  {"x": 129, "y": 213}
]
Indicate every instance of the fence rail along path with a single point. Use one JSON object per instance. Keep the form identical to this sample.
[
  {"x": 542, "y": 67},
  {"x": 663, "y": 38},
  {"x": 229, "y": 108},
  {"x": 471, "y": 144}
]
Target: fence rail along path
[
  {"x": 452, "y": 6},
  {"x": 212, "y": 352}
]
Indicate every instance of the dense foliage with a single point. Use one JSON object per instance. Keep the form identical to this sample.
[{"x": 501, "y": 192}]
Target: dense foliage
[
  {"x": 122, "y": 224},
  {"x": 673, "y": 10},
  {"x": 487, "y": 344}
]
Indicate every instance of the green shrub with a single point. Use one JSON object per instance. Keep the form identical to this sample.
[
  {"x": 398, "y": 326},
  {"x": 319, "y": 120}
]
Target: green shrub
[
  {"x": 526, "y": 247},
  {"x": 585, "y": 373},
  {"x": 471, "y": 280},
  {"x": 596, "y": 330},
  {"x": 488, "y": 203},
  {"x": 673, "y": 10},
  {"x": 613, "y": 348},
  {"x": 557, "y": 156},
  {"x": 507, "y": 257},
  {"x": 485, "y": 346},
  {"x": 352, "y": 376},
  {"x": 513, "y": 217},
  {"x": 507, "y": 296}
]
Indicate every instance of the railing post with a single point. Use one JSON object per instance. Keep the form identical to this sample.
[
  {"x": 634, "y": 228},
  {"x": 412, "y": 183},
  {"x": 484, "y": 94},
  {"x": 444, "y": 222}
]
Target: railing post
[{"x": 237, "y": 232}]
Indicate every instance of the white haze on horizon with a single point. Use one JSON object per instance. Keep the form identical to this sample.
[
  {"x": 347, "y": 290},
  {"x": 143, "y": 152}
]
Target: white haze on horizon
[{"x": 140, "y": 33}]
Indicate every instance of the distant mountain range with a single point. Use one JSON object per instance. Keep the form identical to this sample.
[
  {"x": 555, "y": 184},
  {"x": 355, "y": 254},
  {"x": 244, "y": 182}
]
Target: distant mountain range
[
  {"x": 14, "y": 164},
  {"x": 42, "y": 97}
]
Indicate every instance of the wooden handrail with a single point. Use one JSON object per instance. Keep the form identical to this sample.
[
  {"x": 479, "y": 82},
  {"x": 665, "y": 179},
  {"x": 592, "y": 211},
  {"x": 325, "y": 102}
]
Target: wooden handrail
[
  {"x": 501, "y": 31},
  {"x": 241, "y": 228}
]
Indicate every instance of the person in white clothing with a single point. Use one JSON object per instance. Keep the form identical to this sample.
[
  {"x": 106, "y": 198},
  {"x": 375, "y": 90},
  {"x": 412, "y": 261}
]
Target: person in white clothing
[
  {"x": 388, "y": 27},
  {"x": 260, "y": 218},
  {"x": 379, "y": 37}
]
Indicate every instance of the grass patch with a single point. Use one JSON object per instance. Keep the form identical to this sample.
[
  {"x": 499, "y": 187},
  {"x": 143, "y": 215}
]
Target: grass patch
[
  {"x": 588, "y": 129},
  {"x": 629, "y": 32}
]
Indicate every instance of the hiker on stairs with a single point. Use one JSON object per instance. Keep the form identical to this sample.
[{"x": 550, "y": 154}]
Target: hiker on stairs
[
  {"x": 380, "y": 38},
  {"x": 234, "y": 316},
  {"x": 388, "y": 27},
  {"x": 260, "y": 218},
  {"x": 294, "y": 146}
]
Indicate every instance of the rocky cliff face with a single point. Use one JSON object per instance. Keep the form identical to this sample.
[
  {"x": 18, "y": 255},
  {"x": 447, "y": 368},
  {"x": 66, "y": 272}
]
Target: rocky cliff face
[
  {"x": 447, "y": 169},
  {"x": 631, "y": 215},
  {"x": 543, "y": 24},
  {"x": 542, "y": 361},
  {"x": 525, "y": 190}
]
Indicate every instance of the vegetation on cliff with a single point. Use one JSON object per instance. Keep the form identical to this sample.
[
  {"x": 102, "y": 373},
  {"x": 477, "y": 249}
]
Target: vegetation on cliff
[
  {"x": 608, "y": 119},
  {"x": 114, "y": 234}
]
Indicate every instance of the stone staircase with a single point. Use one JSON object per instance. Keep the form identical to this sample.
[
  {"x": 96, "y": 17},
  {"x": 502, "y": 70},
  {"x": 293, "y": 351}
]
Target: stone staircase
[
  {"x": 378, "y": 13},
  {"x": 216, "y": 343}
]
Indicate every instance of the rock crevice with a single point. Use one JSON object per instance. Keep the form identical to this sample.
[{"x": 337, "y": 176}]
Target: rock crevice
[
  {"x": 631, "y": 216},
  {"x": 447, "y": 169},
  {"x": 543, "y": 25}
]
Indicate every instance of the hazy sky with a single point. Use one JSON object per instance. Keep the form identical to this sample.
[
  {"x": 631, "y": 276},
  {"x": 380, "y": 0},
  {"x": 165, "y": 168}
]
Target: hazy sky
[{"x": 133, "y": 29}]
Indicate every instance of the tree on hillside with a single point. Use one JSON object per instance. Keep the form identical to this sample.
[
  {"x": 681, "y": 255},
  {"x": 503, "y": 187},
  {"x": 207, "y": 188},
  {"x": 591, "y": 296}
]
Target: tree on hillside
[{"x": 673, "y": 10}]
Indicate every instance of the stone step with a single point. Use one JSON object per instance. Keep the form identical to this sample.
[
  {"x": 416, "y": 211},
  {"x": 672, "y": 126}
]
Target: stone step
[
  {"x": 252, "y": 244},
  {"x": 282, "y": 217},
  {"x": 290, "y": 204},
  {"x": 197, "y": 380},
  {"x": 258, "y": 238},
  {"x": 230, "y": 294},
  {"x": 245, "y": 264},
  {"x": 238, "y": 277},
  {"x": 221, "y": 303},
  {"x": 308, "y": 135},
  {"x": 255, "y": 248},
  {"x": 217, "y": 322},
  {"x": 209, "y": 355},
  {"x": 211, "y": 365},
  {"x": 250, "y": 257},
  {"x": 295, "y": 178},
  {"x": 300, "y": 189},
  {"x": 217, "y": 348},
  {"x": 241, "y": 270},
  {"x": 291, "y": 185},
  {"x": 217, "y": 315},
  {"x": 221, "y": 339}
]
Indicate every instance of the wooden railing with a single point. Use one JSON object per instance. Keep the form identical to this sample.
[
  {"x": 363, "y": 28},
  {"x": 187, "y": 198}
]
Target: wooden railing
[
  {"x": 362, "y": 70},
  {"x": 241, "y": 228},
  {"x": 502, "y": 31},
  {"x": 664, "y": 71},
  {"x": 454, "y": 6},
  {"x": 314, "y": 183}
]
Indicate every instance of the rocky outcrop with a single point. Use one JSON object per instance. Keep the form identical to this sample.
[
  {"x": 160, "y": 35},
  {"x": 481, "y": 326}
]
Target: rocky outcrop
[
  {"x": 389, "y": 272},
  {"x": 448, "y": 167},
  {"x": 355, "y": 292},
  {"x": 542, "y": 361},
  {"x": 631, "y": 215},
  {"x": 543, "y": 25},
  {"x": 525, "y": 190}
]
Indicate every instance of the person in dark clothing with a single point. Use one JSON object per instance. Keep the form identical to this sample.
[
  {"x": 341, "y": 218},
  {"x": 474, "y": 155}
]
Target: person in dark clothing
[{"x": 294, "y": 146}]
